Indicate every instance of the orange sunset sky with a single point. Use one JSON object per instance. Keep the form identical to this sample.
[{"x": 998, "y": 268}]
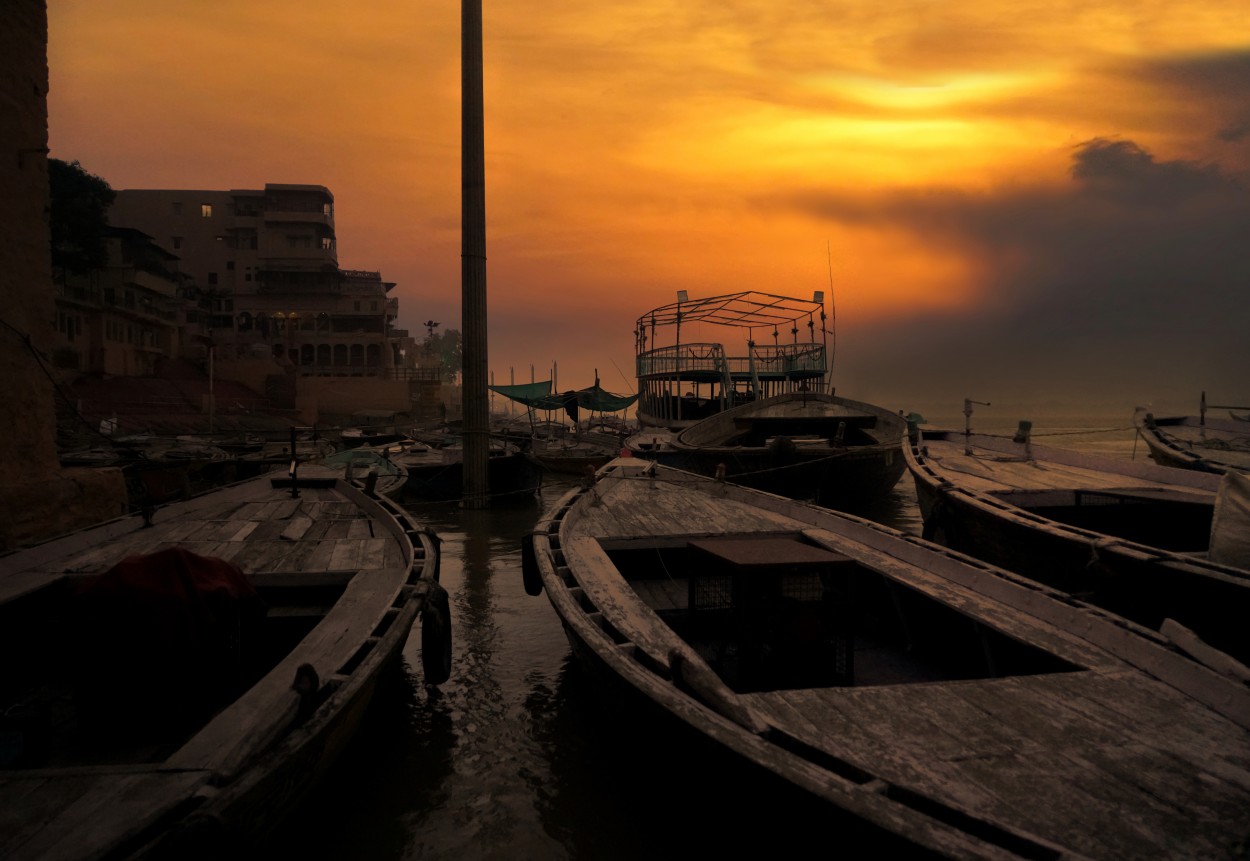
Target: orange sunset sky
[{"x": 1033, "y": 203}]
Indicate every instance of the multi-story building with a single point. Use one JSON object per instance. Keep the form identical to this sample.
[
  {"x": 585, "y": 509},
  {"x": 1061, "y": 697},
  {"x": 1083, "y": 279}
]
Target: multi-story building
[
  {"x": 264, "y": 265},
  {"x": 120, "y": 319}
]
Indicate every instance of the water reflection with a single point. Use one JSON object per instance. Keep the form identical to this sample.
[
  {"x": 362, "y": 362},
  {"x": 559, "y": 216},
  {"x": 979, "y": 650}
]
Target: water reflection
[{"x": 517, "y": 755}]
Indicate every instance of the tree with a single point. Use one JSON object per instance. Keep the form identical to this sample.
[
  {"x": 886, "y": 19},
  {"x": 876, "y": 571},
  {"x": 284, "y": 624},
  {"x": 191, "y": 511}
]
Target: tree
[
  {"x": 78, "y": 217},
  {"x": 446, "y": 345}
]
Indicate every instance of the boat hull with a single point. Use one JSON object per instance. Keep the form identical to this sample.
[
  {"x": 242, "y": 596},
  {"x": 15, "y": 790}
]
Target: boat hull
[
  {"x": 1137, "y": 557},
  {"x": 833, "y": 451}
]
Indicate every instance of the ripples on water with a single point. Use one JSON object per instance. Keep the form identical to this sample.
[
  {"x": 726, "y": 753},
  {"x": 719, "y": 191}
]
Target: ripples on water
[{"x": 517, "y": 757}]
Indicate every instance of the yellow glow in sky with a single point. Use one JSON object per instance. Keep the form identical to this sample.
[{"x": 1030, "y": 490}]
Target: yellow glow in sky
[{"x": 634, "y": 149}]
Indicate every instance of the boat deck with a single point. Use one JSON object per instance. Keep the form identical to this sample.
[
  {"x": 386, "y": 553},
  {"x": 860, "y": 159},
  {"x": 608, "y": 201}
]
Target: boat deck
[
  {"x": 1039, "y": 750},
  {"x": 993, "y": 470},
  {"x": 262, "y": 529}
]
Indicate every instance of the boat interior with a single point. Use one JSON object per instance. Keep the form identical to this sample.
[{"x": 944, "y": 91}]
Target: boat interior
[
  {"x": 1171, "y": 520},
  {"x": 777, "y": 612},
  {"x": 87, "y": 683}
]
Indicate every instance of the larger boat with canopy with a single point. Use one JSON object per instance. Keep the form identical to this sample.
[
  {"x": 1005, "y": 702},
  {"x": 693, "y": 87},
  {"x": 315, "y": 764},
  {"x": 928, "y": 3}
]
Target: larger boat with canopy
[{"x": 772, "y": 345}]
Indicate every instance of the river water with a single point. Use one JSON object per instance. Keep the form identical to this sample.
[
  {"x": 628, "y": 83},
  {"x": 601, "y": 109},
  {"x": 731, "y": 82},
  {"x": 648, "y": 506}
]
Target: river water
[{"x": 517, "y": 757}]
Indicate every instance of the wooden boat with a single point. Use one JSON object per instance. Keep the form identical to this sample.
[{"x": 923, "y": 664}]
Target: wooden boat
[
  {"x": 962, "y": 709},
  {"x": 832, "y": 450},
  {"x": 364, "y": 436},
  {"x": 369, "y": 468},
  {"x": 1195, "y": 442},
  {"x": 682, "y": 382},
  {"x": 1128, "y": 536},
  {"x": 572, "y": 452},
  {"x": 173, "y": 685},
  {"x": 578, "y": 449},
  {"x": 436, "y": 474}
]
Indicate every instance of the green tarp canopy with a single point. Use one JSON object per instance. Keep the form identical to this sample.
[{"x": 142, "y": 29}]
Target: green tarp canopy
[{"x": 539, "y": 396}]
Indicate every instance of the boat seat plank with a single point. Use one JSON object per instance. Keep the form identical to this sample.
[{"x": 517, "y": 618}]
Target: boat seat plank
[
  {"x": 665, "y": 593},
  {"x": 360, "y": 529},
  {"x": 320, "y": 556},
  {"x": 346, "y": 553},
  {"x": 297, "y": 527}
]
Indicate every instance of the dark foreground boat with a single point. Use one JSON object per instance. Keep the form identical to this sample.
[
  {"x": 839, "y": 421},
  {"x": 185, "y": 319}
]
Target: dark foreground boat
[
  {"x": 1196, "y": 442},
  {"x": 831, "y": 450},
  {"x": 959, "y": 708},
  {"x": 173, "y": 688},
  {"x": 1130, "y": 536}
]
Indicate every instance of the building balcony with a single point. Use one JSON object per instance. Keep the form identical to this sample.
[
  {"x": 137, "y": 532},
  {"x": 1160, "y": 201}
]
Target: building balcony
[
  {"x": 299, "y": 216},
  {"x": 154, "y": 283}
]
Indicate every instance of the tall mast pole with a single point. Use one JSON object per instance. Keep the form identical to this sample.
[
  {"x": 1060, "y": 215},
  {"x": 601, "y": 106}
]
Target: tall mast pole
[{"x": 473, "y": 258}]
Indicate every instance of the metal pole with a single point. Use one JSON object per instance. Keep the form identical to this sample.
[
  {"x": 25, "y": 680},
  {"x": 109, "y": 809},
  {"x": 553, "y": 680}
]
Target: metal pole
[{"x": 473, "y": 258}]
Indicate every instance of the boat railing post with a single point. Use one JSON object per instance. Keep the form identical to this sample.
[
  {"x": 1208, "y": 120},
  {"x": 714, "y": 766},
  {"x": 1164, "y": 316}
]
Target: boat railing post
[
  {"x": 968, "y": 402},
  {"x": 1024, "y": 434},
  {"x": 294, "y": 466}
]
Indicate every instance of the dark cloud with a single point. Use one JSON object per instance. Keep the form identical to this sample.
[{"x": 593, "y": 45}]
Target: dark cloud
[
  {"x": 1132, "y": 279},
  {"x": 1220, "y": 82}
]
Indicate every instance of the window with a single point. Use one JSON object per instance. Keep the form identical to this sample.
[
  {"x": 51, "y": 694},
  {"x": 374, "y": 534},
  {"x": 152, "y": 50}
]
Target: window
[
  {"x": 177, "y": 207},
  {"x": 212, "y": 278},
  {"x": 206, "y": 210},
  {"x": 229, "y": 265},
  {"x": 177, "y": 242},
  {"x": 326, "y": 243}
]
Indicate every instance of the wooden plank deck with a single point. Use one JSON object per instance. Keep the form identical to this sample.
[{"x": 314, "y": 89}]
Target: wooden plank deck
[
  {"x": 990, "y": 471},
  {"x": 1038, "y": 750}
]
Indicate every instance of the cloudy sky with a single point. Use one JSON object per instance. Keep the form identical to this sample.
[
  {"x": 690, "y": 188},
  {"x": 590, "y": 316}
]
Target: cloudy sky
[{"x": 1033, "y": 203}]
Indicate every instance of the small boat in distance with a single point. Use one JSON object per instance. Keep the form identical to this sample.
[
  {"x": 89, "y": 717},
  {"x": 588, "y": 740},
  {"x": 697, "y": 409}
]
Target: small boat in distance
[
  {"x": 1196, "y": 442},
  {"x": 175, "y": 684},
  {"x": 814, "y": 446},
  {"x": 369, "y": 468},
  {"x": 957, "y": 709},
  {"x": 1128, "y": 536}
]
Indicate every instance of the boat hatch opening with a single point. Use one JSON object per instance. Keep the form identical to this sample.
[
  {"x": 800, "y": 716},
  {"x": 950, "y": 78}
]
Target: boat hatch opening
[
  {"x": 777, "y": 612},
  {"x": 1172, "y": 520}
]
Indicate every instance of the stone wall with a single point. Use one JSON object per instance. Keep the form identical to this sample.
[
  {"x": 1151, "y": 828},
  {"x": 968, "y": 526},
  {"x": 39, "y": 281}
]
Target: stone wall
[{"x": 39, "y": 500}]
